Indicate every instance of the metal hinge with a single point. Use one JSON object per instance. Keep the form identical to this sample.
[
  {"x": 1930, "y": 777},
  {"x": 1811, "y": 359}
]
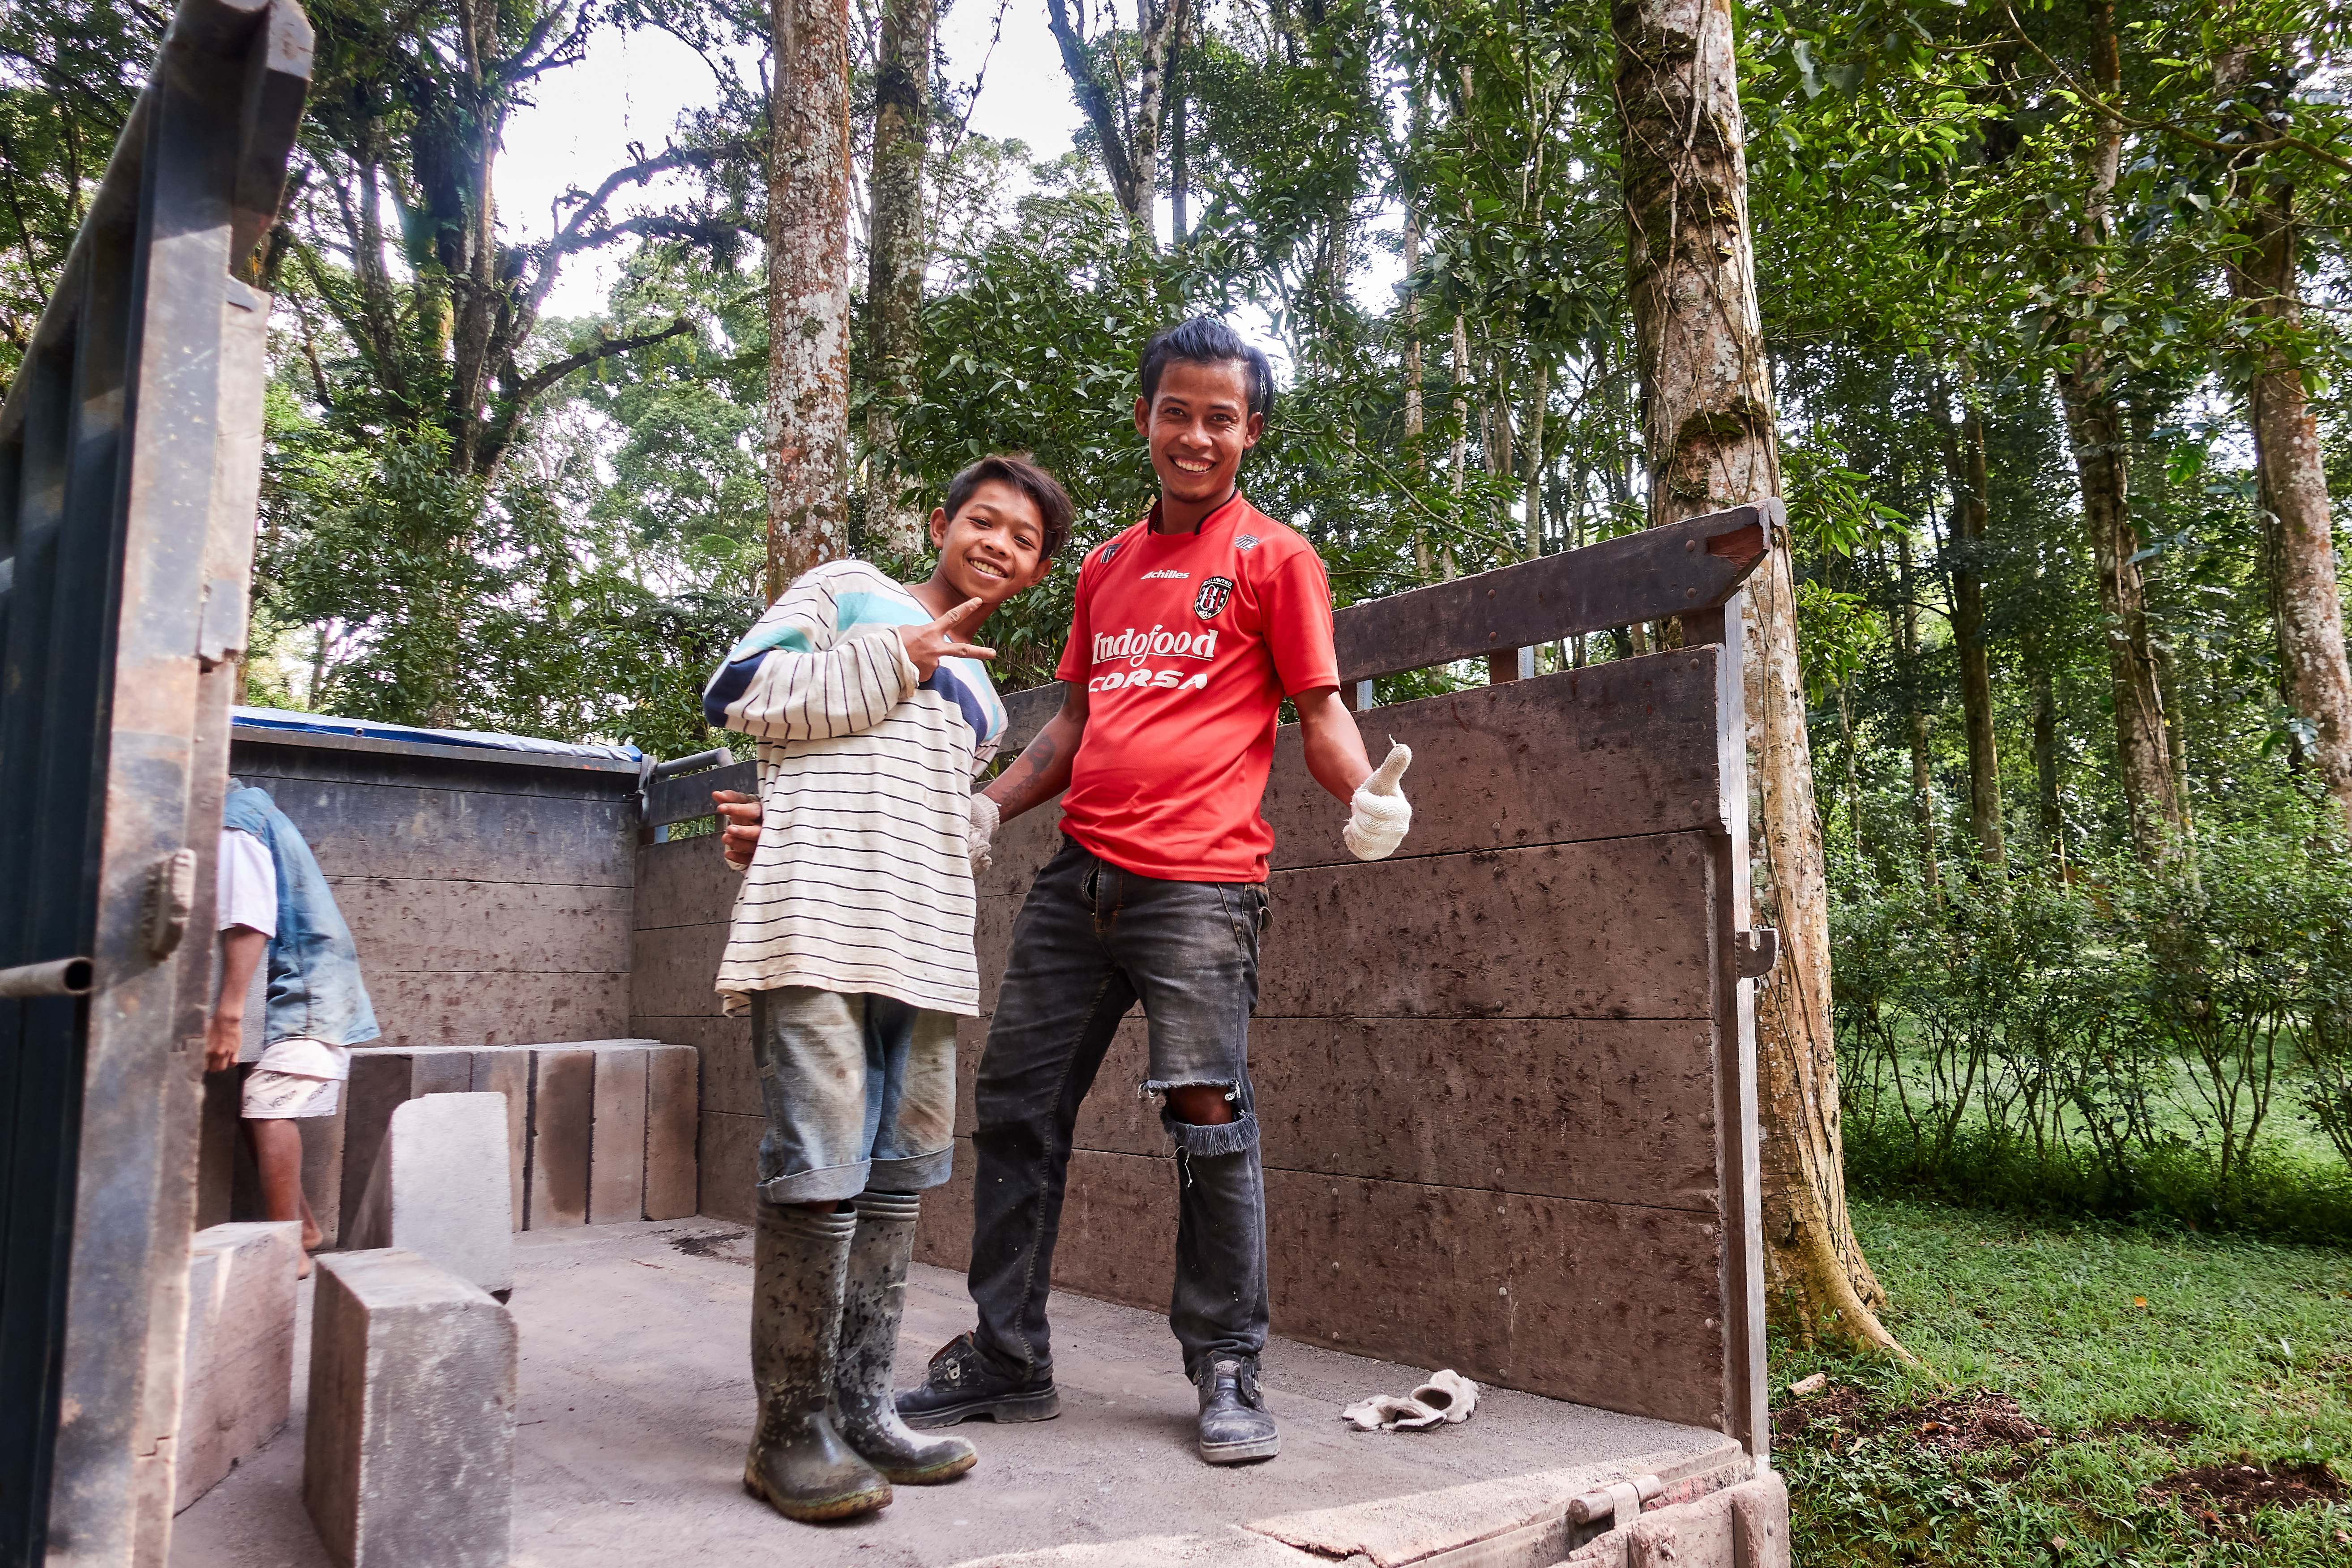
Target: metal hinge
[
  {"x": 1620, "y": 1502},
  {"x": 170, "y": 896},
  {"x": 1756, "y": 952}
]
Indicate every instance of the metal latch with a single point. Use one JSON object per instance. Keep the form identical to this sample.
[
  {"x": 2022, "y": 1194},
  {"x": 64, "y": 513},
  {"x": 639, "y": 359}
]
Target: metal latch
[
  {"x": 1620, "y": 1502},
  {"x": 170, "y": 896},
  {"x": 1756, "y": 952}
]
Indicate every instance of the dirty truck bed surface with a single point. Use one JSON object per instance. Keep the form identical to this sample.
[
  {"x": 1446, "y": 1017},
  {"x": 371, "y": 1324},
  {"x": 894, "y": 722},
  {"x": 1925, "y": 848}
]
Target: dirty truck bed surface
[{"x": 636, "y": 1401}]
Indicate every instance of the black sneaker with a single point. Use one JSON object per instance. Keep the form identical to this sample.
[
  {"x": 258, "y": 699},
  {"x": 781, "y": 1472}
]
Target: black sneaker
[
  {"x": 962, "y": 1383},
  {"x": 1234, "y": 1425}
]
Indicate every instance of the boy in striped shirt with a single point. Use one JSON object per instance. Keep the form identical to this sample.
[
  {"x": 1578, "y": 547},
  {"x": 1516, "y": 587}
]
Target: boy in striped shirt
[{"x": 850, "y": 947}]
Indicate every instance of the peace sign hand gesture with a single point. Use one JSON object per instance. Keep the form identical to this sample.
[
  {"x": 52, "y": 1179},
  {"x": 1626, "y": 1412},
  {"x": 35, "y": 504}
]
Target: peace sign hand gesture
[{"x": 928, "y": 645}]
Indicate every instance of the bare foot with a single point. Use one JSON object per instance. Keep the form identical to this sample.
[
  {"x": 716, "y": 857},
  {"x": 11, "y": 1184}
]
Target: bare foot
[{"x": 302, "y": 1269}]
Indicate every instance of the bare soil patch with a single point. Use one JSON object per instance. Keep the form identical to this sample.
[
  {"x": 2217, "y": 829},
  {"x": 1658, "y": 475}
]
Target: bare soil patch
[
  {"x": 1965, "y": 1423},
  {"x": 2224, "y": 1497}
]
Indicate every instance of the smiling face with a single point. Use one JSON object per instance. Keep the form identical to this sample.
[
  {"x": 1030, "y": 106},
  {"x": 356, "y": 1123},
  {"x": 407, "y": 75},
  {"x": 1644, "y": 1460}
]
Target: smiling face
[
  {"x": 1197, "y": 425},
  {"x": 993, "y": 548}
]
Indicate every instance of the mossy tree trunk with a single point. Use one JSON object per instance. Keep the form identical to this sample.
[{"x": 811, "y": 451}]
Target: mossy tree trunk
[
  {"x": 1707, "y": 421},
  {"x": 807, "y": 433}
]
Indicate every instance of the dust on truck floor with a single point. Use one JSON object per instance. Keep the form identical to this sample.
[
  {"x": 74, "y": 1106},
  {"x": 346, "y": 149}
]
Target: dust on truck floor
[{"x": 637, "y": 1403}]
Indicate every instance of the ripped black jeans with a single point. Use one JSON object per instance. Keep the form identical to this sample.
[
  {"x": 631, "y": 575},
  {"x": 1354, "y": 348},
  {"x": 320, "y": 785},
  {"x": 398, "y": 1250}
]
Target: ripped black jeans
[{"x": 1091, "y": 941}]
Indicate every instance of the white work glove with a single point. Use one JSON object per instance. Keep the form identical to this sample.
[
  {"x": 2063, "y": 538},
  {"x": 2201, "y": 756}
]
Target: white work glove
[
  {"x": 1381, "y": 815},
  {"x": 984, "y": 818}
]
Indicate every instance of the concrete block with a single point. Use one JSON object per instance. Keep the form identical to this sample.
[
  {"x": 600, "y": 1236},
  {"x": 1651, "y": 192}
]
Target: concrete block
[
  {"x": 563, "y": 1109},
  {"x": 506, "y": 1070},
  {"x": 408, "y": 1451},
  {"x": 239, "y": 1364},
  {"x": 441, "y": 1188},
  {"x": 616, "y": 1145},
  {"x": 672, "y": 1101}
]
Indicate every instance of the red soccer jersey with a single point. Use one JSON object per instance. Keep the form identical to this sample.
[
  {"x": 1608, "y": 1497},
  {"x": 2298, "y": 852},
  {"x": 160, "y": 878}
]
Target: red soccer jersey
[{"x": 1187, "y": 643}]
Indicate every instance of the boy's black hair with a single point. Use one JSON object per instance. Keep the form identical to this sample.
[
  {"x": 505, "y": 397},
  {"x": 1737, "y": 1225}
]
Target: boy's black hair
[
  {"x": 1016, "y": 468},
  {"x": 1206, "y": 339}
]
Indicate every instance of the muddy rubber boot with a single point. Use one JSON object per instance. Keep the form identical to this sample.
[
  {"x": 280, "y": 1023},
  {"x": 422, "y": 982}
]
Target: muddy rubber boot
[
  {"x": 1234, "y": 1425},
  {"x": 798, "y": 1463},
  {"x": 872, "y": 1305}
]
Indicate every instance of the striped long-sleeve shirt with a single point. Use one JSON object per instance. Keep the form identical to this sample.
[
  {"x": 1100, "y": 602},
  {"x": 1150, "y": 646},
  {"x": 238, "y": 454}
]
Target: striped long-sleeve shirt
[{"x": 861, "y": 882}]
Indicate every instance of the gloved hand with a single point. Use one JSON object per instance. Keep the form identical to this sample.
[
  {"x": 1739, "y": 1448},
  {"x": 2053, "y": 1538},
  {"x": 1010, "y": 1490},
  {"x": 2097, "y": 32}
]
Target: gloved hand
[
  {"x": 984, "y": 818},
  {"x": 1381, "y": 815}
]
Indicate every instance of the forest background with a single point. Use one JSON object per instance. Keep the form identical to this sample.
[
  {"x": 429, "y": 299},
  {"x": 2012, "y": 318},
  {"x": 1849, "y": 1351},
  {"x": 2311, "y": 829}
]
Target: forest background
[{"x": 2053, "y": 299}]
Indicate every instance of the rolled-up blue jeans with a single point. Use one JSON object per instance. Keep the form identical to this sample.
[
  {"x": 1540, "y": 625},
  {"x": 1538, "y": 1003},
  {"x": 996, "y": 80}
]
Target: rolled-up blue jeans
[
  {"x": 1091, "y": 941},
  {"x": 859, "y": 1091}
]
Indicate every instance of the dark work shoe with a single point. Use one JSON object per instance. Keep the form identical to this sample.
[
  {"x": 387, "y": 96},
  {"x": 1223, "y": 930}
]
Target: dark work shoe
[
  {"x": 1234, "y": 1425},
  {"x": 961, "y": 1384}
]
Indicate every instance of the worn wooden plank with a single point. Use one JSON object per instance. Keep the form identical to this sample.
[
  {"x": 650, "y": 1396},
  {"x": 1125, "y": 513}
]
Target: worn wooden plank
[
  {"x": 1607, "y": 751},
  {"x": 1613, "y": 1305},
  {"x": 563, "y": 1110},
  {"x": 1642, "y": 576},
  {"x": 673, "y": 970},
  {"x": 616, "y": 1140},
  {"x": 727, "y": 1158},
  {"x": 684, "y": 883},
  {"x": 405, "y": 923},
  {"x": 1615, "y": 929},
  {"x": 672, "y": 1116},
  {"x": 685, "y": 798},
  {"x": 406, "y": 830},
  {"x": 1601, "y": 1110},
  {"x": 435, "y": 1008}
]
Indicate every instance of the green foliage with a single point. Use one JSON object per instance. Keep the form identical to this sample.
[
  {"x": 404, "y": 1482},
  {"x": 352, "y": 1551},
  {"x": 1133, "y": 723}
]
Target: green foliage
[
  {"x": 2154, "y": 1043},
  {"x": 2143, "y": 1354}
]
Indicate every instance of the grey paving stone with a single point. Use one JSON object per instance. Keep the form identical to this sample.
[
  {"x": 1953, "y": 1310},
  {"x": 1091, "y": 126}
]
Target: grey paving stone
[
  {"x": 408, "y": 1450},
  {"x": 441, "y": 1188}
]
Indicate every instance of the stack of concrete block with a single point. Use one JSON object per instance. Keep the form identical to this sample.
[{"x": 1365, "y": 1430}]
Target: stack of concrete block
[
  {"x": 440, "y": 1188},
  {"x": 600, "y": 1131},
  {"x": 239, "y": 1366},
  {"x": 408, "y": 1445}
]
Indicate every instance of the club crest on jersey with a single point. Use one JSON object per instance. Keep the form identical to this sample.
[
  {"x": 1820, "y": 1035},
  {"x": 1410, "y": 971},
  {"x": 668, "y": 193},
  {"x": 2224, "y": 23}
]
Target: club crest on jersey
[{"x": 1214, "y": 595}]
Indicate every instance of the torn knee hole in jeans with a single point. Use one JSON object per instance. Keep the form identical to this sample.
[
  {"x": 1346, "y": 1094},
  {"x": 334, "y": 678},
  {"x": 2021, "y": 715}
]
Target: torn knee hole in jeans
[{"x": 1207, "y": 1139}]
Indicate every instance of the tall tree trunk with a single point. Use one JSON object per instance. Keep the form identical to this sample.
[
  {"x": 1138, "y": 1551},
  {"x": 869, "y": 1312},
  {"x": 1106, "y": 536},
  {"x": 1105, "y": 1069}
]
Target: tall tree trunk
[
  {"x": 2045, "y": 755},
  {"x": 1415, "y": 423},
  {"x": 1129, "y": 140},
  {"x": 2305, "y": 599},
  {"x": 1535, "y": 410},
  {"x": 1707, "y": 426},
  {"x": 897, "y": 256},
  {"x": 1966, "y": 459},
  {"x": 1914, "y": 720},
  {"x": 1180, "y": 144},
  {"x": 2095, "y": 424},
  {"x": 807, "y": 433}
]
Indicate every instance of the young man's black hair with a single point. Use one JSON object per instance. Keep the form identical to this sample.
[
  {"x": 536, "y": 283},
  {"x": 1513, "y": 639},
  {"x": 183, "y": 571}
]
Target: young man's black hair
[{"x": 1207, "y": 339}]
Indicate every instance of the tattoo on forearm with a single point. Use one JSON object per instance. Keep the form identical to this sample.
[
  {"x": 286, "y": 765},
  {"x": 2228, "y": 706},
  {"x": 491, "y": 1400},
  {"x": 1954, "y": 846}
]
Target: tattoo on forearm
[{"x": 1026, "y": 778}]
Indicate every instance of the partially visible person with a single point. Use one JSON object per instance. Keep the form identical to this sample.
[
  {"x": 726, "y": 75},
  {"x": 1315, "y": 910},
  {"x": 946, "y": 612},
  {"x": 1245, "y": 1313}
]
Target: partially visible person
[
  {"x": 274, "y": 904},
  {"x": 850, "y": 947}
]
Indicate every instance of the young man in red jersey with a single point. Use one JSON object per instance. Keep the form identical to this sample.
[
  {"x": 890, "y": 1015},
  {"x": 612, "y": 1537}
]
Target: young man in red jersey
[{"x": 1189, "y": 630}]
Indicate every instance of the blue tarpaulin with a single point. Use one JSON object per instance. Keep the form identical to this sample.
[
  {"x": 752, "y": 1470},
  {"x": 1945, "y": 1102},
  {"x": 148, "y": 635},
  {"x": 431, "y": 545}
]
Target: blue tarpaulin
[{"x": 326, "y": 725}]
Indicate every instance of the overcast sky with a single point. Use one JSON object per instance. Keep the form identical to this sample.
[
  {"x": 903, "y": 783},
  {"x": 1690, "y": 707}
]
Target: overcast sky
[{"x": 631, "y": 86}]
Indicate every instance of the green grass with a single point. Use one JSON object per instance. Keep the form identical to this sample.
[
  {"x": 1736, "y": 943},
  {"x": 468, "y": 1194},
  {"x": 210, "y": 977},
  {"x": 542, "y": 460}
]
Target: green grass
[{"x": 2247, "y": 1344}]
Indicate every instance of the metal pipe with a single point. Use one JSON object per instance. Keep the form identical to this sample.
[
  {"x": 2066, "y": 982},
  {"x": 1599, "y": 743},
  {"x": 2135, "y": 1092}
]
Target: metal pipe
[
  {"x": 58, "y": 977},
  {"x": 718, "y": 758}
]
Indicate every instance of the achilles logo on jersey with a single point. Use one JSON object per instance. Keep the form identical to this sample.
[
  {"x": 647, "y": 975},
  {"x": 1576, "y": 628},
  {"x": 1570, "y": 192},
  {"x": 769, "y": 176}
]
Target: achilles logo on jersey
[
  {"x": 1164, "y": 572},
  {"x": 1210, "y": 601},
  {"x": 1135, "y": 647}
]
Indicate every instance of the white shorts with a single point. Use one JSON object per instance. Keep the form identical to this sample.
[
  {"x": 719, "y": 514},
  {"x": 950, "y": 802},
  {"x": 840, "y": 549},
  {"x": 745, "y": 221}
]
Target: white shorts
[{"x": 277, "y": 1096}]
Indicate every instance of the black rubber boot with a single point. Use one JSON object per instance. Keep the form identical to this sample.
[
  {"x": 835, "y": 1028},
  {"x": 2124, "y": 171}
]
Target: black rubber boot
[
  {"x": 962, "y": 1383},
  {"x": 872, "y": 1304},
  {"x": 797, "y": 1462},
  {"x": 1234, "y": 1425}
]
